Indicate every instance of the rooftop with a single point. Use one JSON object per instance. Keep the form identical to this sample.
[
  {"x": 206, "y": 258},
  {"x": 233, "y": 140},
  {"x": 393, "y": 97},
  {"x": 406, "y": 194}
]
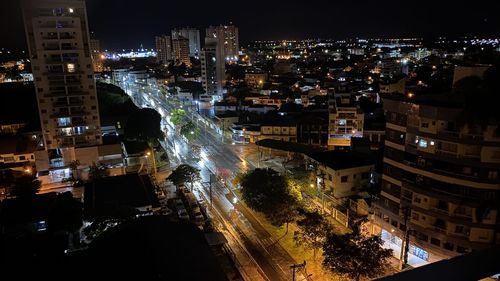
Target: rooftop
[
  {"x": 12, "y": 144},
  {"x": 130, "y": 190},
  {"x": 343, "y": 159}
]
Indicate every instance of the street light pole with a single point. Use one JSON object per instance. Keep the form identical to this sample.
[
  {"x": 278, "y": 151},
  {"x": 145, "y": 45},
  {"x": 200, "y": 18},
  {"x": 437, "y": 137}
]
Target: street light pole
[{"x": 152, "y": 154}]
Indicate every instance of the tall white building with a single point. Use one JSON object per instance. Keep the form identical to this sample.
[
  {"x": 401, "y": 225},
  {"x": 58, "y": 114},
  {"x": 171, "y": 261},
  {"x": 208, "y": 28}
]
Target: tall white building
[
  {"x": 163, "y": 49},
  {"x": 59, "y": 47},
  {"x": 193, "y": 35},
  {"x": 213, "y": 68},
  {"x": 228, "y": 37}
]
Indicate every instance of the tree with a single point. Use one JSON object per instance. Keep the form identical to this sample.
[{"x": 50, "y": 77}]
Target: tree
[
  {"x": 177, "y": 116},
  {"x": 65, "y": 214},
  {"x": 268, "y": 192},
  {"x": 25, "y": 186},
  {"x": 190, "y": 131},
  {"x": 312, "y": 231},
  {"x": 184, "y": 173},
  {"x": 97, "y": 171},
  {"x": 355, "y": 255},
  {"x": 144, "y": 125}
]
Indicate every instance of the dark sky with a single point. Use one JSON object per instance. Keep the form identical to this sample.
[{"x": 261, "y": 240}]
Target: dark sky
[{"x": 128, "y": 23}]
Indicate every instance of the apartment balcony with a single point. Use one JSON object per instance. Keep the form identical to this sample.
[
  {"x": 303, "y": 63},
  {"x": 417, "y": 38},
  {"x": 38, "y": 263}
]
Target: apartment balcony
[
  {"x": 62, "y": 72},
  {"x": 67, "y": 104},
  {"x": 69, "y": 114}
]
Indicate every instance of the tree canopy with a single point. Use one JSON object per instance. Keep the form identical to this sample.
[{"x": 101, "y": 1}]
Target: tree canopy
[
  {"x": 312, "y": 231},
  {"x": 190, "y": 131},
  {"x": 144, "y": 125},
  {"x": 268, "y": 192},
  {"x": 25, "y": 186},
  {"x": 65, "y": 214},
  {"x": 354, "y": 255},
  {"x": 184, "y": 173}
]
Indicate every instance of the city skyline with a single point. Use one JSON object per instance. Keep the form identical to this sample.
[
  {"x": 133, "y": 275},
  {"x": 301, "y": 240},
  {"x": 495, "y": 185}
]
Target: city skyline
[{"x": 138, "y": 24}]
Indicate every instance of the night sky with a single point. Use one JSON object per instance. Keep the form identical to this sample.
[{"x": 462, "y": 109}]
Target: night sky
[{"x": 127, "y": 24}]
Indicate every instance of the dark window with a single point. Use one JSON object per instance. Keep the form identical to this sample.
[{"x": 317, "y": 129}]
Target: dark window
[
  {"x": 365, "y": 175},
  {"x": 448, "y": 246},
  {"x": 344, "y": 178},
  {"x": 93, "y": 107},
  {"x": 44, "y": 111},
  {"x": 462, "y": 250},
  {"x": 435, "y": 241},
  {"x": 22, "y": 157},
  {"x": 40, "y": 89}
]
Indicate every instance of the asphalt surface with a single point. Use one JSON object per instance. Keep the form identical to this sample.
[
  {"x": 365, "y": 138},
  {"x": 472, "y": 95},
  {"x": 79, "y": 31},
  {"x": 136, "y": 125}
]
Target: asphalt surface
[{"x": 217, "y": 155}]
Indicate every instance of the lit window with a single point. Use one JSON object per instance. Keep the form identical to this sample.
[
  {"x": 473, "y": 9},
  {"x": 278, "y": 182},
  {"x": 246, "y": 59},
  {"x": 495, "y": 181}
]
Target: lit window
[
  {"x": 71, "y": 67},
  {"x": 422, "y": 143},
  {"x": 71, "y": 10}
]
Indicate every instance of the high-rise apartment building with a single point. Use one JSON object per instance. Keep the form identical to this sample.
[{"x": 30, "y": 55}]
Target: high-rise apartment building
[
  {"x": 163, "y": 49},
  {"x": 213, "y": 67},
  {"x": 440, "y": 183},
  {"x": 180, "y": 47},
  {"x": 193, "y": 35},
  {"x": 346, "y": 119},
  {"x": 228, "y": 37},
  {"x": 59, "y": 47},
  {"x": 95, "y": 46}
]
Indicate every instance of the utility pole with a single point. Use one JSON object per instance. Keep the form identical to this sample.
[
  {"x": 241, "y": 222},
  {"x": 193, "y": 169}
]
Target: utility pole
[{"x": 296, "y": 266}]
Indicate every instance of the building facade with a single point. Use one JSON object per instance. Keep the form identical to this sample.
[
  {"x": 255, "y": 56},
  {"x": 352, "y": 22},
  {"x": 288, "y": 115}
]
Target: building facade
[
  {"x": 163, "y": 49},
  {"x": 193, "y": 35},
  {"x": 180, "y": 48},
  {"x": 59, "y": 47},
  {"x": 345, "y": 120},
  {"x": 228, "y": 37},
  {"x": 440, "y": 182},
  {"x": 213, "y": 68}
]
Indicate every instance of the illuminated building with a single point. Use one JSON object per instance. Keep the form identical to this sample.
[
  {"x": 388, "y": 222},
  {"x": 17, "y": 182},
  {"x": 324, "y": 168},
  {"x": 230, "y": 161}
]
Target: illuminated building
[
  {"x": 346, "y": 119},
  {"x": 58, "y": 41},
  {"x": 213, "y": 68},
  {"x": 440, "y": 181},
  {"x": 180, "y": 47},
  {"x": 193, "y": 35},
  {"x": 228, "y": 37},
  {"x": 163, "y": 49}
]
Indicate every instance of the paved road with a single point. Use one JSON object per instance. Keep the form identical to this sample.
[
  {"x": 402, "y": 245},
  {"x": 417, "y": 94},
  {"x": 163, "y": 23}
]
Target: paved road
[{"x": 221, "y": 158}]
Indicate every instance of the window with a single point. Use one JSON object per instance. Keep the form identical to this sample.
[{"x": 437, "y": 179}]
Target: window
[
  {"x": 424, "y": 124},
  {"x": 435, "y": 241},
  {"x": 71, "y": 67},
  {"x": 459, "y": 229},
  {"x": 22, "y": 157},
  {"x": 344, "y": 178},
  {"x": 44, "y": 111},
  {"x": 448, "y": 246},
  {"x": 330, "y": 177},
  {"x": 93, "y": 107},
  {"x": 417, "y": 199},
  {"x": 40, "y": 90},
  {"x": 415, "y": 216},
  {"x": 493, "y": 175},
  {"x": 462, "y": 250},
  {"x": 365, "y": 176},
  {"x": 422, "y": 143},
  {"x": 42, "y": 101},
  {"x": 354, "y": 176}
]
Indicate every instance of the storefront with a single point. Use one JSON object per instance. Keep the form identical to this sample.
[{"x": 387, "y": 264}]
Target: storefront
[{"x": 416, "y": 255}]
